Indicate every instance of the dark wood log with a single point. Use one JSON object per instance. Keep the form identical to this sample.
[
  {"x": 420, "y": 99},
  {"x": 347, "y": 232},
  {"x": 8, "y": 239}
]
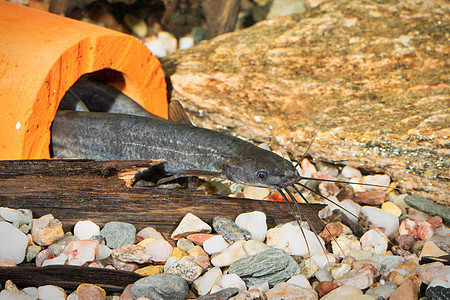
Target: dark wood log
[
  {"x": 74, "y": 190},
  {"x": 221, "y": 16},
  {"x": 68, "y": 277}
]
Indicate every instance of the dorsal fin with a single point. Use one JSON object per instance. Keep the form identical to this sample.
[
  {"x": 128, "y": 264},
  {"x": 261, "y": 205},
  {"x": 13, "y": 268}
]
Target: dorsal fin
[{"x": 177, "y": 114}]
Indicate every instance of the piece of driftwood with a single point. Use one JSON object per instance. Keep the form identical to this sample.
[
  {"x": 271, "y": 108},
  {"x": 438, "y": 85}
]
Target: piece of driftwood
[
  {"x": 69, "y": 277},
  {"x": 74, "y": 190}
]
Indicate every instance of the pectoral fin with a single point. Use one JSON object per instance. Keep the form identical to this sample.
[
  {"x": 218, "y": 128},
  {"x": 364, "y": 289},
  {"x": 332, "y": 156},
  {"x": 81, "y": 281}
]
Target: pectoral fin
[{"x": 177, "y": 114}]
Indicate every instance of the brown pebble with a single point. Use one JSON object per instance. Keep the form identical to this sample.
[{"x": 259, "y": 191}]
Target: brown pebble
[
  {"x": 328, "y": 189},
  {"x": 334, "y": 228},
  {"x": 90, "y": 292},
  {"x": 44, "y": 255},
  {"x": 324, "y": 287},
  {"x": 372, "y": 197},
  {"x": 126, "y": 294},
  {"x": 6, "y": 262},
  {"x": 436, "y": 222},
  {"x": 346, "y": 193},
  {"x": 407, "y": 291},
  {"x": 406, "y": 241}
]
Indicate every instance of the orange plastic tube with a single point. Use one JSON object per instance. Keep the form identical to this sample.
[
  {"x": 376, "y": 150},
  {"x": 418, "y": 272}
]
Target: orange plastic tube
[{"x": 42, "y": 55}]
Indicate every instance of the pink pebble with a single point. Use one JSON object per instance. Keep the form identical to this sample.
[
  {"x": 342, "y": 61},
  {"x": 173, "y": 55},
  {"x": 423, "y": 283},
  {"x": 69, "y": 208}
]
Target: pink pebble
[
  {"x": 199, "y": 238},
  {"x": 80, "y": 252}
]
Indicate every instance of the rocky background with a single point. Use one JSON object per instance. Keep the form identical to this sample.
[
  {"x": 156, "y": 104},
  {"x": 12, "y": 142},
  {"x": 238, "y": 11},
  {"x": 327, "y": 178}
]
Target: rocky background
[
  {"x": 368, "y": 79},
  {"x": 371, "y": 78}
]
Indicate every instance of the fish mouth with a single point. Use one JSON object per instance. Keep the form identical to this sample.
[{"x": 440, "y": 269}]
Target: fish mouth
[{"x": 288, "y": 181}]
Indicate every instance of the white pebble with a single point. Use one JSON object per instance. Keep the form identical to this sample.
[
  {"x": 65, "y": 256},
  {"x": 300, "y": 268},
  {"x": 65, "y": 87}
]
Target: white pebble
[
  {"x": 160, "y": 250},
  {"x": 31, "y": 291},
  {"x": 323, "y": 259},
  {"x": 252, "y": 247},
  {"x": 380, "y": 218},
  {"x": 352, "y": 209},
  {"x": 215, "y": 244},
  {"x": 227, "y": 281},
  {"x": 51, "y": 292},
  {"x": 190, "y": 224},
  {"x": 346, "y": 292},
  {"x": 374, "y": 241},
  {"x": 84, "y": 230},
  {"x": 345, "y": 243},
  {"x": 13, "y": 243},
  {"x": 290, "y": 238},
  {"x": 186, "y": 42},
  {"x": 323, "y": 275},
  {"x": 300, "y": 280},
  {"x": 103, "y": 252},
  {"x": 255, "y": 223},
  {"x": 168, "y": 41},
  {"x": 150, "y": 232},
  {"x": 156, "y": 47},
  {"x": 80, "y": 252},
  {"x": 350, "y": 172},
  {"x": 59, "y": 260},
  {"x": 205, "y": 283},
  {"x": 382, "y": 180},
  {"x": 230, "y": 255},
  {"x": 14, "y": 215},
  {"x": 257, "y": 193}
]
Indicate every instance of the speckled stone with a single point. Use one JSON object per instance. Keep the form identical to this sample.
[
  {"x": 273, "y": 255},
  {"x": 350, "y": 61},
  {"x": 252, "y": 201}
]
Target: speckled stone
[
  {"x": 186, "y": 268},
  {"x": 131, "y": 253},
  {"x": 230, "y": 231},
  {"x": 46, "y": 230},
  {"x": 118, "y": 234},
  {"x": 156, "y": 287},
  {"x": 287, "y": 291},
  {"x": 272, "y": 265},
  {"x": 90, "y": 291},
  {"x": 224, "y": 294}
]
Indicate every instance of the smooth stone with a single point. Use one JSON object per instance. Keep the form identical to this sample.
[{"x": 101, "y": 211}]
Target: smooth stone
[
  {"x": 159, "y": 250},
  {"x": 190, "y": 224},
  {"x": 250, "y": 294},
  {"x": 186, "y": 42},
  {"x": 257, "y": 193},
  {"x": 255, "y": 223},
  {"x": 391, "y": 208},
  {"x": 442, "y": 281},
  {"x": 431, "y": 271},
  {"x": 150, "y": 270},
  {"x": 289, "y": 237},
  {"x": 57, "y": 261},
  {"x": 345, "y": 243},
  {"x": 169, "y": 41},
  {"x": 372, "y": 197},
  {"x": 230, "y": 255},
  {"x": 361, "y": 277},
  {"x": 15, "y": 295},
  {"x": 300, "y": 280},
  {"x": 58, "y": 246},
  {"x": 185, "y": 244},
  {"x": 31, "y": 291},
  {"x": 44, "y": 255},
  {"x": 46, "y": 230},
  {"x": 215, "y": 244},
  {"x": 360, "y": 254},
  {"x": 150, "y": 232},
  {"x": 131, "y": 253},
  {"x": 287, "y": 291},
  {"x": 350, "y": 172},
  {"x": 229, "y": 281},
  {"x": 331, "y": 230},
  {"x": 13, "y": 243},
  {"x": 13, "y": 215},
  {"x": 431, "y": 249},
  {"x": 103, "y": 252},
  {"x": 324, "y": 287},
  {"x": 309, "y": 267},
  {"x": 339, "y": 270},
  {"x": 381, "y": 219},
  {"x": 406, "y": 241},
  {"x": 204, "y": 284},
  {"x": 223, "y": 294},
  {"x": 156, "y": 287},
  {"x": 156, "y": 46},
  {"x": 374, "y": 241},
  {"x": 203, "y": 261},
  {"x": 407, "y": 291},
  {"x": 6, "y": 262},
  {"x": 386, "y": 261},
  {"x": 272, "y": 266},
  {"x": 120, "y": 265},
  {"x": 345, "y": 293},
  {"x": 126, "y": 294},
  {"x": 51, "y": 292},
  {"x": 118, "y": 234},
  {"x": 384, "y": 290},
  {"x": 178, "y": 253},
  {"x": 185, "y": 268},
  {"x": 84, "y": 230},
  {"x": 80, "y": 252},
  {"x": 323, "y": 275},
  {"x": 87, "y": 291},
  {"x": 252, "y": 247},
  {"x": 200, "y": 238},
  {"x": 428, "y": 206},
  {"x": 383, "y": 180},
  {"x": 197, "y": 251},
  {"x": 438, "y": 293},
  {"x": 229, "y": 230},
  {"x": 323, "y": 259}
]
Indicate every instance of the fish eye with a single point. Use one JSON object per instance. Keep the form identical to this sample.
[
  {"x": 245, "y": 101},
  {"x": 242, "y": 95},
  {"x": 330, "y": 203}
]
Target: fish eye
[{"x": 262, "y": 175}]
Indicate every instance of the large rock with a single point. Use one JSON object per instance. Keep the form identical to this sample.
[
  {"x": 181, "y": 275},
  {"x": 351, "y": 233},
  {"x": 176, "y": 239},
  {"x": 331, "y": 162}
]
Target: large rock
[{"x": 373, "y": 74}]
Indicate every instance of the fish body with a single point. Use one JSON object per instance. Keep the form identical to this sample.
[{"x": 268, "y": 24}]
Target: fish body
[{"x": 187, "y": 149}]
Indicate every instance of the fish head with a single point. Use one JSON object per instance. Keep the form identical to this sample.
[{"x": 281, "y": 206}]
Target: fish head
[{"x": 261, "y": 168}]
